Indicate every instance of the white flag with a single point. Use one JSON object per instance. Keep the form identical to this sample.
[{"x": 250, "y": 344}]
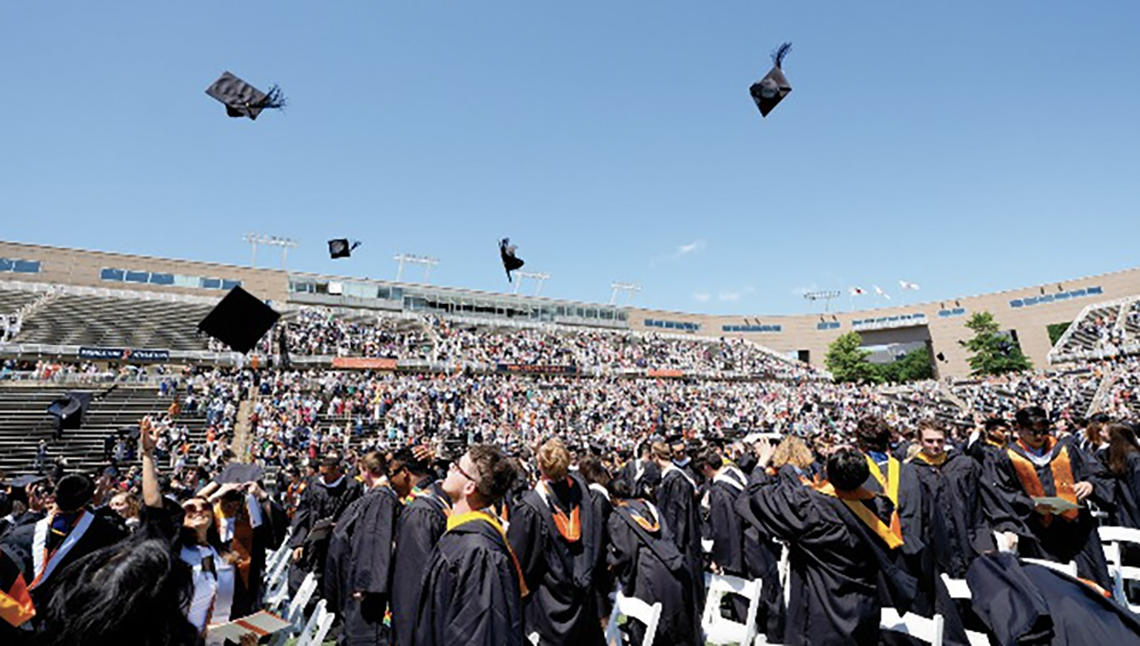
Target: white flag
[
  {"x": 881, "y": 292},
  {"x": 858, "y": 291},
  {"x": 908, "y": 285}
]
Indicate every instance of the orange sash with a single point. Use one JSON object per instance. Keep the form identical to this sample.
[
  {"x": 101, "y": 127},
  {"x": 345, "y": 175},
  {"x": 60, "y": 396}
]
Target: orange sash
[
  {"x": 645, "y": 523},
  {"x": 891, "y": 535},
  {"x": 1062, "y": 478},
  {"x": 472, "y": 516},
  {"x": 16, "y": 603}
]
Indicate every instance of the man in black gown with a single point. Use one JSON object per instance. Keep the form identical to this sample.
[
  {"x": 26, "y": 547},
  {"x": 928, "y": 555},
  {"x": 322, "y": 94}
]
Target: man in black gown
[
  {"x": 844, "y": 554},
  {"x": 473, "y": 586},
  {"x": 358, "y": 570},
  {"x": 421, "y": 523},
  {"x": 324, "y": 500},
  {"x": 557, "y": 531}
]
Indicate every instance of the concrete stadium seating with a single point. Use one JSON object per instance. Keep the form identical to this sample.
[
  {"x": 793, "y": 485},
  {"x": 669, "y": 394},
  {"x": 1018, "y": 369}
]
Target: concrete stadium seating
[
  {"x": 24, "y": 421},
  {"x": 74, "y": 319}
]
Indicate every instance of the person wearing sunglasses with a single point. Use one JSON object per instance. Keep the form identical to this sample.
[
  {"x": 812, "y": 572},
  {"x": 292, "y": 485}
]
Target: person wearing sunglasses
[
  {"x": 473, "y": 584},
  {"x": 1036, "y": 493}
]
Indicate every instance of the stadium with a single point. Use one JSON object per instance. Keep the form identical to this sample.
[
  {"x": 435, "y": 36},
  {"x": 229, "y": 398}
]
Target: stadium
[{"x": 197, "y": 451}]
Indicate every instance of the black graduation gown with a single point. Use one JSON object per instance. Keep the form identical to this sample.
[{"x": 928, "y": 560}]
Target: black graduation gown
[
  {"x": 603, "y": 578},
  {"x": 1032, "y": 604},
  {"x": 101, "y": 533},
  {"x": 957, "y": 531},
  {"x": 724, "y": 526},
  {"x": 1009, "y": 508},
  {"x": 680, "y": 513},
  {"x": 644, "y": 483},
  {"x": 317, "y": 503},
  {"x": 360, "y": 561},
  {"x": 648, "y": 566},
  {"x": 1126, "y": 494},
  {"x": 470, "y": 592},
  {"x": 761, "y": 555},
  {"x": 561, "y": 607},
  {"x": 421, "y": 523},
  {"x": 839, "y": 569}
]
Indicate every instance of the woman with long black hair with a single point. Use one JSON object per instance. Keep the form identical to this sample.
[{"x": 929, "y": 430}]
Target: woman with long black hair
[{"x": 1124, "y": 466}]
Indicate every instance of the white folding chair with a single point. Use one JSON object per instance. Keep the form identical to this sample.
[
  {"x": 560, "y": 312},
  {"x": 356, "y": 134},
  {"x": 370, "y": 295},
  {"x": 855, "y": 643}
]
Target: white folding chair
[
  {"x": 1069, "y": 568},
  {"x": 927, "y": 629},
  {"x": 313, "y": 634},
  {"x": 717, "y": 628},
  {"x": 634, "y": 608},
  {"x": 295, "y": 612},
  {"x": 1114, "y": 539},
  {"x": 959, "y": 589}
]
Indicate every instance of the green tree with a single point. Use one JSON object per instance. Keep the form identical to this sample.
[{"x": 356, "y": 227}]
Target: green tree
[
  {"x": 914, "y": 366},
  {"x": 1056, "y": 331},
  {"x": 991, "y": 352},
  {"x": 847, "y": 361}
]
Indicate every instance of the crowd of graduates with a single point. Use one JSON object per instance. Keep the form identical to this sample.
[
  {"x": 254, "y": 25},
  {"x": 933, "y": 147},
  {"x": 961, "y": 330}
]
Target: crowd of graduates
[{"x": 522, "y": 539}]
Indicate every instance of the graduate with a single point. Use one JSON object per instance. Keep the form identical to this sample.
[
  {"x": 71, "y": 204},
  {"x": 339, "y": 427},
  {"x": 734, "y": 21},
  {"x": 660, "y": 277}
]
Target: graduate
[
  {"x": 557, "y": 532},
  {"x": 418, "y": 528},
  {"x": 894, "y": 479},
  {"x": 641, "y": 473},
  {"x": 844, "y": 553},
  {"x": 1123, "y": 459},
  {"x": 472, "y": 585},
  {"x": 677, "y": 502},
  {"x": 597, "y": 479},
  {"x": 70, "y": 530},
  {"x": 647, "y": 565},
  {"x": 323, "y": 501},
  {"x": 358, "y": 570},
  {"x": 988, "y": 441},
  {"x": 950, "y": 484},
  {"x": 1039, "y": 465},
  {"x": 245, "y": 528},
  {"x": 721, "y": 526}
]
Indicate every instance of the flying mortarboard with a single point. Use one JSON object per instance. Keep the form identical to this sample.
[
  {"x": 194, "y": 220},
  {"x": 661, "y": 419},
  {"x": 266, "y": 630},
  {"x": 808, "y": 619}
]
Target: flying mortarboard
[
  {"x": 239, "y": 473},
  {"x": 511, "y": 262},
  {"x": 69, "y": 410},
  {"x": 242, "y": 99},
  {"x": 770, "y": 90},
  {"x": 21, "y": 482},
  {"x": 340, "y": 247},
  {"x": 239, "y": 320}
]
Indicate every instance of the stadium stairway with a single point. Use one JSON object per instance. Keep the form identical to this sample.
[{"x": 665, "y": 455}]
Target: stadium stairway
[{"x": 24, "y": 422}]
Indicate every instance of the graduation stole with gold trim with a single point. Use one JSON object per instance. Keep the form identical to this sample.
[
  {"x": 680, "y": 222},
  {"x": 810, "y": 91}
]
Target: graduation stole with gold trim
[
  {"x": 646, "y": 524},
  {"x": 1062, "y": 470},
  {"x": 472, "y": 516},
  {"x": 934, "y": 462},
  {"x": 890, "y": 486},
  {"x": 570, "y": 526},
  {"x": 891, "y": 534}
]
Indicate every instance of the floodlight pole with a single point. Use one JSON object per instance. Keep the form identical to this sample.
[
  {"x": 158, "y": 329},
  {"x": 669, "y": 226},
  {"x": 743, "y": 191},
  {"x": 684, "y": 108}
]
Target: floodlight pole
[
  {"x": 825, "y": 295},
  {"x": 539, "y": 278},
  {"x": 255, "y": 239},
  {"x": 427, "y": 261},
  {"x": 628, "y": 288}
]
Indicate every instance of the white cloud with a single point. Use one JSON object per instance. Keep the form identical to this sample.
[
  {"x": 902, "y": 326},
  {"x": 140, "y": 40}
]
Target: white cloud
[
  {"x": 680, "y": 251},
  {"x": 734, "y": 295},
  {"x": 702, "y": 297}
]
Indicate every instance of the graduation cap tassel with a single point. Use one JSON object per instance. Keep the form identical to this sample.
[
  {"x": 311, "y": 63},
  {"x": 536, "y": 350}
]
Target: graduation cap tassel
[
  {"x": 355, "y": 244},
  {"x": 274, "y": 99},
  {"x": 780, "y": 53}
]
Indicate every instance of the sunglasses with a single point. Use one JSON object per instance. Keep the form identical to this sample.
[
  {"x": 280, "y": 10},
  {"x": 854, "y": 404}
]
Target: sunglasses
[{"x": 196, "y": 510}]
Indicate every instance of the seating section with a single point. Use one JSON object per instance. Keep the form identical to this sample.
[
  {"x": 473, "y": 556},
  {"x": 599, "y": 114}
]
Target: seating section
[
  {"x": 1071, "y": 390},
  {"x": 12, "y": 300},
  {"x": 72, "y": 319},
  {"x": 24, "y": 422},
  {"x": 1103, "y": 330}
]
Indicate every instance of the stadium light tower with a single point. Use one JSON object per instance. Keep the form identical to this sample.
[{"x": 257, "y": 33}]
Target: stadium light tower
[
  {"x": 824, "y": 295},
  {"x": 427, "y": 261},
  {"x": 629, "y": 288},
  {"x": 539, "y": 278},
  {"x": 255, "y": 239}
]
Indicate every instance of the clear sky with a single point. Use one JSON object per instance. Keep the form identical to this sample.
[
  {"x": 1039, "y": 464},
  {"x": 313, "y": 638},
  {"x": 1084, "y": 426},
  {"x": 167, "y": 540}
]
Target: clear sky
[{"x": 964, "y": 146}]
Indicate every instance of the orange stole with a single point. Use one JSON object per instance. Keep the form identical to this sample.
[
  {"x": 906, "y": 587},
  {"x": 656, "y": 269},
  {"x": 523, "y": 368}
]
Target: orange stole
[
  {"x": 1062, "y": 479},
  {"x": 16, "y": 605},
  {"x": 891, "y": 534}
]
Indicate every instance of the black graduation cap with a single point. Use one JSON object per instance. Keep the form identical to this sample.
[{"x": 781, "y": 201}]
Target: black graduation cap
[
  {"x": 511, "y": 262},
  {"x": 69, "y": 410},
  {"x": 238, "y": 473},
  {"x": 940, "y": 356},
  {"x": 340, "y": 248},
  {"x": 242, "y": 99},
  {"x": 770, "y": 90},
  {"x": 239, "y": 320}
]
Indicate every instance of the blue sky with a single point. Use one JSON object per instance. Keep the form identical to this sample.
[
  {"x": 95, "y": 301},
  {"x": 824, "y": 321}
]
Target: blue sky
[{"x": 966, "y": 146}]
